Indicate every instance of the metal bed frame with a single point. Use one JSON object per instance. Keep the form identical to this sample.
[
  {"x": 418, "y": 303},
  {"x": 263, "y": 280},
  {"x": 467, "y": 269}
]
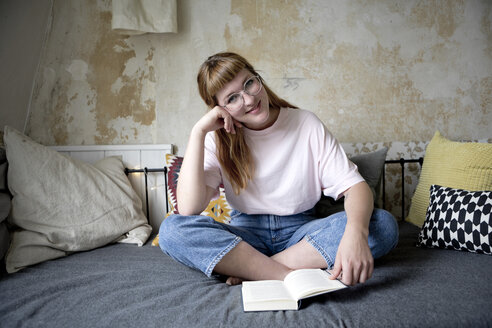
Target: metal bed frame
[
  {"x": 400, "y": 161},
  {"x": 146, "y": 171}
]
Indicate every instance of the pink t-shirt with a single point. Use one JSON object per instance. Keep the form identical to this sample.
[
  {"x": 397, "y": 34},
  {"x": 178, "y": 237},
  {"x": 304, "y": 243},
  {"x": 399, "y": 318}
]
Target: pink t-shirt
[{"x": 295, "y": 159}]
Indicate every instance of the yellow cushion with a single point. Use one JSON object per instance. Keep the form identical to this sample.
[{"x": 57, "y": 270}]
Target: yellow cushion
[
  {"x": 462, "y": 165},
  {"x": 218, "y": 209}
]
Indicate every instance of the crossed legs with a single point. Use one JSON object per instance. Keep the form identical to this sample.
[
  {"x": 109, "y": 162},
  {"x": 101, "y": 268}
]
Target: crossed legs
[
  {"x": 234, "y": 251},
  {"x": 245, "y": 262}
]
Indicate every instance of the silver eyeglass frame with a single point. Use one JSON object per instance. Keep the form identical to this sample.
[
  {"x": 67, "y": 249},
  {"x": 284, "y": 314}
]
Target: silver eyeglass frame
[{"x": 240, "y": 93}]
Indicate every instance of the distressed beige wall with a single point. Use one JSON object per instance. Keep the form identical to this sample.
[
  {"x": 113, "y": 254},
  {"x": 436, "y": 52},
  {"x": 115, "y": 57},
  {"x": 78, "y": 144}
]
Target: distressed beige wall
[
  {"x": 371, "y": 70},
  {"x": 22, "y": 35}
]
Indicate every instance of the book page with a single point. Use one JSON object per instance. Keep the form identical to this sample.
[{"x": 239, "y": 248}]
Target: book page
[
  {"x": 310, "y": 282},
  {"x": 265, "y": 290}
]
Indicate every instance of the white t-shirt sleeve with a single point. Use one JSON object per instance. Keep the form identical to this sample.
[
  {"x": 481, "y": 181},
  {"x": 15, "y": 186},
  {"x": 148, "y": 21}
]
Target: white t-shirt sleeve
[
  {"x": 213, "y": 177},
  {"x": 336, "y": 171}
]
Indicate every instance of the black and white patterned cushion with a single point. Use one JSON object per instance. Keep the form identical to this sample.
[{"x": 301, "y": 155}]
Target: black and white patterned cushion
[{"x": 458, "y": 219}]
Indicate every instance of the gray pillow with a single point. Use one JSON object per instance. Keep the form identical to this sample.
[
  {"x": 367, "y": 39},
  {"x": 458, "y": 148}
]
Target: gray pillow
[
  {"x": 4, "y": 212},
  {"x": 3, "y": 176},
  {"x": 3, "y": 169},
  {"x": 61, "y": 205},
  {"x": 370, "y": 167},
  {"x": 3, "y": 156},
  {"x": 4, "y": 240},
  {"x": 4, "y": 205}
]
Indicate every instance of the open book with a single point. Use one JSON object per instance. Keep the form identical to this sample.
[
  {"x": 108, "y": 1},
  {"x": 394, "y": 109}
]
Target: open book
[{"x": 271, "y": 295}]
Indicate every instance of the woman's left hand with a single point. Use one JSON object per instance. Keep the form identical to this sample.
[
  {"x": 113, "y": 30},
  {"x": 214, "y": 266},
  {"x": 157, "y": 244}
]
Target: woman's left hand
[{"x": 354, "y": 262}]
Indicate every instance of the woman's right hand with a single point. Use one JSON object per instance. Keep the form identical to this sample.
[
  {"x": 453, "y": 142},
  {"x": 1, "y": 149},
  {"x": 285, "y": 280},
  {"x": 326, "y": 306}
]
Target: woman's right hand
[
  {"x": 193, "y": 195},
  {"x": 218, "y": 118}
]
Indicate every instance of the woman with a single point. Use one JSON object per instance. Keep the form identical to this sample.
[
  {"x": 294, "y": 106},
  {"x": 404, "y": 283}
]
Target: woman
[{"x": 274, "y": 161}]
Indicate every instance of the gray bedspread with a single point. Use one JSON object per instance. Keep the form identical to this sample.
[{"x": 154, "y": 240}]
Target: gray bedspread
[{"x": 126, "y": 286}]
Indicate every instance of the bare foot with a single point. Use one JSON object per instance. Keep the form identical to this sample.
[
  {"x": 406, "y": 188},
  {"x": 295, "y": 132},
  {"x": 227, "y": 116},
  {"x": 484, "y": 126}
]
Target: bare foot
[{"x": 231, "y": 281}]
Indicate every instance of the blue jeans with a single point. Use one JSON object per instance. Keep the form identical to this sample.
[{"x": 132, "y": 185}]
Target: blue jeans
[{"x": 200, "y": 242}]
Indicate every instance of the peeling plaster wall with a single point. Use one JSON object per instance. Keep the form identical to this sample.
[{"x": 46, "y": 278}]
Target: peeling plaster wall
[
  {"x": 22, "y": 33},
  {"x": 371, "y": 70}
]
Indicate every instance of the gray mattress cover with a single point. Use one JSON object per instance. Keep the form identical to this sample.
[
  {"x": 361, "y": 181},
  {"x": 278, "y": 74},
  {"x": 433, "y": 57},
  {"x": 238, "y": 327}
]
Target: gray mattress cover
[{"x": 127, "y": 286}]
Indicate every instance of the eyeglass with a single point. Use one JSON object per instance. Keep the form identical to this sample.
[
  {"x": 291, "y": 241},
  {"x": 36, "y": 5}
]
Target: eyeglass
[{"x": 251, "y": 87}]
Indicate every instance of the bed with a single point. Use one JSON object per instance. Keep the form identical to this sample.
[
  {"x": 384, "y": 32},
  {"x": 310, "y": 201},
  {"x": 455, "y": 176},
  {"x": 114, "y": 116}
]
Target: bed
[{"x": 123, "y": 285}]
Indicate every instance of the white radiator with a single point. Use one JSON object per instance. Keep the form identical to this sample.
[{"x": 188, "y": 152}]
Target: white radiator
[{"x": 134, "y": 157}]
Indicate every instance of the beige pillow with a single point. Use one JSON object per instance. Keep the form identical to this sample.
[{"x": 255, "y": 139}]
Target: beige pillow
[{"x": 61, "y": 205}]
